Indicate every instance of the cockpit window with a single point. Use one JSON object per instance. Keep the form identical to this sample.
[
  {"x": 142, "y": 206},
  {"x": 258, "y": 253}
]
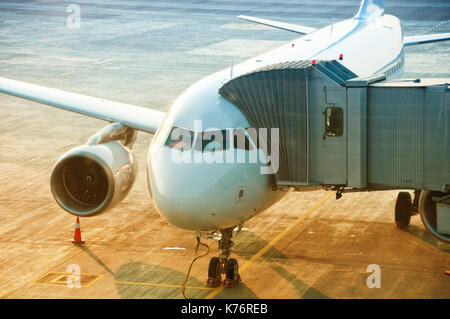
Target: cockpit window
[
  {"x": 180, "y": 139},
  {"x": 211, "y": 141},
  {"x": 241, "y": 141}
]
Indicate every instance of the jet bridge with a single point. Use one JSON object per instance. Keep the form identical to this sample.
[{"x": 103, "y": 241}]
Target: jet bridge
[
  {"x": 338, "y": 129},
  {"x": 346, "y": 133}
]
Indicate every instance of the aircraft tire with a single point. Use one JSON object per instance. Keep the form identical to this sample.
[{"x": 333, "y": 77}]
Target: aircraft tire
[
  {"x": 214, "y": 268},
  {"x": 232, "y": 269}
]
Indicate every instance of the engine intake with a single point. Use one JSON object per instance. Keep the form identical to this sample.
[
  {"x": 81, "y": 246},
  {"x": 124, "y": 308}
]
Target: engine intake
[{"x": 90, "y": 179}]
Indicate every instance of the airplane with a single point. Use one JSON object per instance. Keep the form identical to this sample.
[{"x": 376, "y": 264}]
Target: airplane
[{"x": 207, "y": 196}]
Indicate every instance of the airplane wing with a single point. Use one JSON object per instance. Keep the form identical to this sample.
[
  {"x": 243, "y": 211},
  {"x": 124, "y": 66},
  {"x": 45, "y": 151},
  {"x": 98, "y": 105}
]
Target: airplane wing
[
  {"x": 137, "y": 117},
  {"x": 280, "y": 25},
  {"x": 420, "y": 39}
]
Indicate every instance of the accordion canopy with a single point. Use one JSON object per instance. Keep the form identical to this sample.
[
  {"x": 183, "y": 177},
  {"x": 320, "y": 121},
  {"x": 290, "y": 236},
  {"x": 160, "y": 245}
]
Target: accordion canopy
[{"x": 276, "y": 96}]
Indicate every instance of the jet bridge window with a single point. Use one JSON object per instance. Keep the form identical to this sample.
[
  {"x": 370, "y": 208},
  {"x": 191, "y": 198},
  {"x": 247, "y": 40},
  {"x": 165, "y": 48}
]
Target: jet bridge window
[
  {"x": 334, "y": 121},
  {"x": 211, "y": 141},
  {"x": 180, "y": 139}
]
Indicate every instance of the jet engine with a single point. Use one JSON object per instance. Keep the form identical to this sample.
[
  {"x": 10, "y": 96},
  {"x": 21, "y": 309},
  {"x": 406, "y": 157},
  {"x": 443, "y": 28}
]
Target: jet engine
[{"x": 92, "y": 178}]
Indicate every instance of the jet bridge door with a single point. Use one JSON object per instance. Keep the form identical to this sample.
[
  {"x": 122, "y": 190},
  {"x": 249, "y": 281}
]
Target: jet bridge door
[{"x": 334, "y": 139}]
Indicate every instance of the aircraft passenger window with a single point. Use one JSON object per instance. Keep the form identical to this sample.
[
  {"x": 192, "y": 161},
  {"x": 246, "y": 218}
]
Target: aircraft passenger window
[
  {"x": 180, "y": 139},
  {"x": 211, "y": 141},
  {"x": 241, "y": 141},
  {"x": 334, "y": 121}
]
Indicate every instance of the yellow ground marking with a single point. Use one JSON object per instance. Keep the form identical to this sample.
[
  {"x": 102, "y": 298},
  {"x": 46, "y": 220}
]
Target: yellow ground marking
[
  {"x": 43, "y": 79},
  {"x": 247, "y": 265},
  {"x": 57, "y": 281},
  {"x": 158, "y": 285},
  {"x": 66, "y": 73}
]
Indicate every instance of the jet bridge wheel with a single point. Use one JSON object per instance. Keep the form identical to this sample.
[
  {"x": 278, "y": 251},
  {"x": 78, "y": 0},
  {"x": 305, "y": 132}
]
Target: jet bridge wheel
[{"x": 403, "y": 209}]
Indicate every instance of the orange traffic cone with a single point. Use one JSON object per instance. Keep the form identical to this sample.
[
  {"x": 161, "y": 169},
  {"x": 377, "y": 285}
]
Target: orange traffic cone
[
  {"x": 77, "y": 236},
  {"x": 447, "y": 272}
]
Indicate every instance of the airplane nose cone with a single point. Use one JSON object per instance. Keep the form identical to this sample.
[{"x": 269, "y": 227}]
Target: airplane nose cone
[{"x": 187, "y": 195}]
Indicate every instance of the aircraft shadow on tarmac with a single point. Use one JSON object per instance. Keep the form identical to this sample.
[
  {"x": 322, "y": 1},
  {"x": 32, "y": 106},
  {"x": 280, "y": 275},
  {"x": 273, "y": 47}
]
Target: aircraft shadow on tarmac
[{"x": 137, "y": 280}]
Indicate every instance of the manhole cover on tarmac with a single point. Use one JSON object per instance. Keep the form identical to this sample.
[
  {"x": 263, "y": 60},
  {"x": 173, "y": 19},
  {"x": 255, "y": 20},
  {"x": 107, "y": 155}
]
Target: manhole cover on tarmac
[{"x": 64, "y": 278}]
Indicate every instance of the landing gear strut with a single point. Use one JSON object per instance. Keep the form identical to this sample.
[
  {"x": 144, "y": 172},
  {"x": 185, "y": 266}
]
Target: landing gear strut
[{"x": 222, "y": 264}]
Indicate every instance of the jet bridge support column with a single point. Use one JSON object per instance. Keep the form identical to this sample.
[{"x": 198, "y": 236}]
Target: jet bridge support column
[
  {"x": 357, "y": 95},
  {"x": 357, "y": 137}
]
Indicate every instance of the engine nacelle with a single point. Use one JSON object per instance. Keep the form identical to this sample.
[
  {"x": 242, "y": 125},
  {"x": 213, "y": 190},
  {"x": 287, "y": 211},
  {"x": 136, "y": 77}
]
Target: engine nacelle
[{"x": 90, "y": 179}]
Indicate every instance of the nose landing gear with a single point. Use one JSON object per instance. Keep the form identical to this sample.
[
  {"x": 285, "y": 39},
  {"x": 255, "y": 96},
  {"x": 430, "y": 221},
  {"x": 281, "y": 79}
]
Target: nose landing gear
[{"x": 224, "y": 265}]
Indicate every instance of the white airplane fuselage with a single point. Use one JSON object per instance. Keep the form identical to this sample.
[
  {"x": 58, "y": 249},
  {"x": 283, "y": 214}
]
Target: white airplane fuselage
[{"x": 203, "y": 196}]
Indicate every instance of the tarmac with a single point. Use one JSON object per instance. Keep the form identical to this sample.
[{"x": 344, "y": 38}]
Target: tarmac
[{"x": 309, "y": 245}]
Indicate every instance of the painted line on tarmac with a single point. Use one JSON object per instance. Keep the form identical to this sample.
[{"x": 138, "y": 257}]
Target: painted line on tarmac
[
  {"x": 250, "y": 262},
  {"x": 99, "y": 64},
  {"x": 158, "y": 285}
]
